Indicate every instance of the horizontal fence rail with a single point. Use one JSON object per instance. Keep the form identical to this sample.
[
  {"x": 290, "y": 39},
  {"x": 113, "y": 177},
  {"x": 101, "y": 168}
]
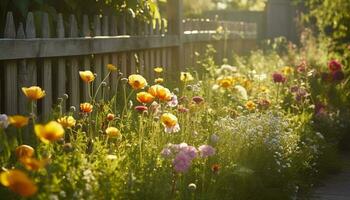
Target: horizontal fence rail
[{"x": 52, "y": 54}]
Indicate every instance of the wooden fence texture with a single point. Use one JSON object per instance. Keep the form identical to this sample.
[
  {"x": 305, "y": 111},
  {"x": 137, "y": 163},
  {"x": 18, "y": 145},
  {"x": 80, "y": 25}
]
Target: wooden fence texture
[{"x": 52, "y": 54}]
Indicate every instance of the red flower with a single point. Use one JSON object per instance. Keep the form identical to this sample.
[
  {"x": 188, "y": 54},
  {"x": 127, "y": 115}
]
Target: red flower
[
  {"x": 334, "y": 66},
  {"x": 278, "y": 77},
  {"x": 141, "y": 108},
  {"x": 197, "y": 99},
  {"x": 215, "y": 168}
]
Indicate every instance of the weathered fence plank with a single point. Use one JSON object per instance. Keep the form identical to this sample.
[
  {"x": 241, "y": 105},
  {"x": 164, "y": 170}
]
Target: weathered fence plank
[
  {"x": 86, "y": 58},
  {"x": 10, "y": 71},
  {"x": 97, "y": 59},
  {"x": 73, "y": 68},
  {"x": 46, "y": 72},
  {"x": 22, "y": 75},
  {"x": 61, "y": 67}
]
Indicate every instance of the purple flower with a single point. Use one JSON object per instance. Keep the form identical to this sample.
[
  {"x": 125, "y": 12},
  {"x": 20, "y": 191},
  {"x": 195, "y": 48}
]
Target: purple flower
[
  {"x": 4, "y": 121},
  {"x": 338, "y": 75},
  {"x": 166, "y": 152},
  {"x": 206, "y": 150},
  {"x": 190, "y": 151},
  {"x": 182, "y": 162},
  {"x": 294, "y": 88},
  {"x": 278, "y": 77}
]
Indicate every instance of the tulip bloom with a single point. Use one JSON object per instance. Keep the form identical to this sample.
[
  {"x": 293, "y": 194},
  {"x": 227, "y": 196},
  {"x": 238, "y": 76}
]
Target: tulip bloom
[
  {"x": 50, "y": 132},
  {"x": 67, "y": 121},
  {"x": 18, "y": 182},
  {"x": 18, "y": 121},
  {"x": 33, "y": 92},
  {"x": 87, "y": 76},
  {"x": 137, "y": 81},
  {"x": 144, "y": 97}
]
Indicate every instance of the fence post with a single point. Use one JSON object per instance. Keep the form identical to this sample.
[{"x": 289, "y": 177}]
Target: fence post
[
  {"x": 175, "y": 15},
  {"x": 280, "y": 16},
  {"x": 10, "y": 71}
]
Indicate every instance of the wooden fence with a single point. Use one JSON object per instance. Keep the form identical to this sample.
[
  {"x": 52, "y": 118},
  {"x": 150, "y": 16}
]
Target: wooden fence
[{"x": 52, "y": 55}]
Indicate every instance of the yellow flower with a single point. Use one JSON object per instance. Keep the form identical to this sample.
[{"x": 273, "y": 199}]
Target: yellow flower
[
  {"x": 50, "y": 132},
  {"x": 33, "y": 164},
  {"x": 264, "y": 89},
  {"x": 33, "y": 92},
  {"x": 18, "y": 182},
  {"x": 144, "y": 97},
  {"x": 225, "y": 82},
  {"x": 24, "y": 151},
  {"x": 159, "y": 80},
  {"x": 111, "y": 67},
  {"x": 137, "y": 81},
  {"x": 158, "y": 69},
  {"x": 250, "y": 105},
  {"x": 87, "y": 76},
  {"x": 86, "y": 107},
  {"x": 113, "y": 132},
  {"x": 186, "y": 77},
  {"x": 287, "y": 70},
  {"x": 67, "y": 121},
  {"x": 169, "y": 120},
  {"x": 18, "y": 121},
  {"x": 160, "y": 92}
]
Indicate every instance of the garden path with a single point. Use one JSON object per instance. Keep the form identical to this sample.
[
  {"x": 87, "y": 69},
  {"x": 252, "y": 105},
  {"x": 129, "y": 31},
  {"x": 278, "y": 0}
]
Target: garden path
[{"x": 336, "y": 187}]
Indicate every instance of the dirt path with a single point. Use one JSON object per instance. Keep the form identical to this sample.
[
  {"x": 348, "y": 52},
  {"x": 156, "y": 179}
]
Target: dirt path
[{"x": 336, "y": 187}]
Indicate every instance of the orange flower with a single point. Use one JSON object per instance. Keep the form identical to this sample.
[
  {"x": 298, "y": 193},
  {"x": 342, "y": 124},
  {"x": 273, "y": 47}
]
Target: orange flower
[
  {"x": 33, "y": 92},
  {"x": 137, "y": 81},
  {"x": 50, "y": 132},
  {"x": 18, "y": 182},
  {"x": 110, "y": 117},
  {"x": 86, "y": 107},
  {"x": 24, "y": 151},
  {"x": 113, "y": 132},
  {"x": 144, "y": 97},
  {"x": 160, "y": 92},
  {"x": 111, "y": 67},
  {"x": 18, "y": 121},
  {"x": 250, "y": 105},
  {"x": 33, "y": 164},
  {"x": 225, "y": 82},
  {"x": 87, "y": 76}
]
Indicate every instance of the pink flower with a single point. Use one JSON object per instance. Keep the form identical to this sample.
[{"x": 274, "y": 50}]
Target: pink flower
[
  {"x": 190, "y": 151},
  {"x": 278, "y": 77},
  {"x": 182, "y": 162},
  {"x": 166, "y": 152},
  {"x": 182, "y": 109},
  {"x": 206, "y": 150},
  {"x": 173, "y": 102},
  {"x": 141, "y": 108},
  {"x": 334, "y": 66}
]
